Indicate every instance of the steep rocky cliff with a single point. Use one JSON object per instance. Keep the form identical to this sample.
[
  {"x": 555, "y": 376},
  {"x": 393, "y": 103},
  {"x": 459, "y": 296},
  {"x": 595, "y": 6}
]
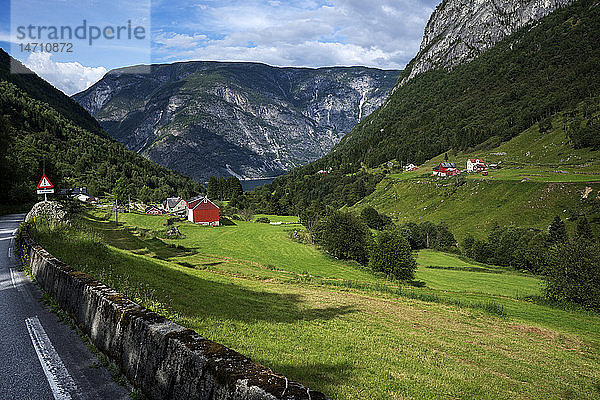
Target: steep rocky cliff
[
  {"x": 460, "y": 30},
  {"x": 243, "y": 119}
]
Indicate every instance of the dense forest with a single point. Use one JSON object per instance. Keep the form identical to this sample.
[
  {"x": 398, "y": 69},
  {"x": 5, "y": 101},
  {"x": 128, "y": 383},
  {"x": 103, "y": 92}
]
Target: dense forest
[{"x": 76, "y": 151}]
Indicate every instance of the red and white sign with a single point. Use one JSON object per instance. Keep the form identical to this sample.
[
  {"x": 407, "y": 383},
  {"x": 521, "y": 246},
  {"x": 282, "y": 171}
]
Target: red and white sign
[{"x": 45, "y": 183}]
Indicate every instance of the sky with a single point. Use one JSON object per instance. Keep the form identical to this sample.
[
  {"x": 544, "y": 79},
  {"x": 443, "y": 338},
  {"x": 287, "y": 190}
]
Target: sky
[{"x": 301, "y": 33}]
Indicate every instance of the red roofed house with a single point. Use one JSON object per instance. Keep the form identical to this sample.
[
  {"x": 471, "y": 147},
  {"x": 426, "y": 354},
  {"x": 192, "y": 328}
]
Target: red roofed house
[
  {"x": 153, "y": 210},
  {"x": 476, "y": 165},
  {"x": 446, "y": 169},
  {"x": 203, "y": 211}
]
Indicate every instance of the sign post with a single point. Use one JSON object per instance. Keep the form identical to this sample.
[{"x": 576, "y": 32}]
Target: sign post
[{"x": 45, "y": 187}]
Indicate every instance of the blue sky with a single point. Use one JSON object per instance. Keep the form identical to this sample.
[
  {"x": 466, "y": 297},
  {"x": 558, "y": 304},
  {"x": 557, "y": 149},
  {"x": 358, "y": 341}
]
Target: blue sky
[{"x": 309, "y": 33}]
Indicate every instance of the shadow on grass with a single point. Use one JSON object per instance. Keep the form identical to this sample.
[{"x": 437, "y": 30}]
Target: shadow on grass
[
  {"x": 124, "y": 239},
  {"x": 185, "y": 292},
  {"x": 316, "y": 375},
  {"x": 195, "y": 297}
]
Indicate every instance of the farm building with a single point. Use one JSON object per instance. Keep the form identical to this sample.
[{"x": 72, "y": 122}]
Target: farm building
[
  {"x": 203, "y": 211},
  {"x": 476, "y": 165},
  {"x": 446, "y": 169},
  {"x": 85, "y": 198},
  {"x": 153, "y": 210},
  {"x": 175, "y": 205},
  {"x": 411, "y": 167}
]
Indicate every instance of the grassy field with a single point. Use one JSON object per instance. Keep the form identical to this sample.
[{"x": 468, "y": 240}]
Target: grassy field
[
  {"x": 288, "y": 306},
  {"x": 541, "y": 176},
  {"x": 476, "y": 205}
]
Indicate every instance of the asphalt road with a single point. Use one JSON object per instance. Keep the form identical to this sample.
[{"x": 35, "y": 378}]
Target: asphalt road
[{"x": 41, "y": 357}]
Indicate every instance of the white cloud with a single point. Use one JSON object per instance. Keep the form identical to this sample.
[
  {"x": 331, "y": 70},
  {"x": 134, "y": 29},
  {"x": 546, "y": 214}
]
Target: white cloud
[
  {"x": 178, "y": 40},
  {"x": 382, "y": 33},
  {"x": 70, "y": 77}
]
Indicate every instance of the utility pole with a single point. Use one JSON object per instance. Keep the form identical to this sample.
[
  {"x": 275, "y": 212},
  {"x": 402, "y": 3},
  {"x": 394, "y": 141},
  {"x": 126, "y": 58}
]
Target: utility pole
[{"x": 116, "y": 212}]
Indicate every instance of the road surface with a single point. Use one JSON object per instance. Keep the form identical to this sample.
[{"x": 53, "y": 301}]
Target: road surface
[{"x": 40, "y": 357}]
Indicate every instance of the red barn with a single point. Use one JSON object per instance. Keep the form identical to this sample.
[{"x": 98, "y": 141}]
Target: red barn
[{"x": 203, "y": 211}]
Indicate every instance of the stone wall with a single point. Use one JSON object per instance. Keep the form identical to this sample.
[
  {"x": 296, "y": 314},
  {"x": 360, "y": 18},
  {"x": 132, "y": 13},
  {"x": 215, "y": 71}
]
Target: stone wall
[{"x": 162, "y": 359}]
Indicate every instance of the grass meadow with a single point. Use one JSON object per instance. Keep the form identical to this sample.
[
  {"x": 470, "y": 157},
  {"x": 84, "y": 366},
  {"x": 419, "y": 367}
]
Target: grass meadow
[{"x": 335, "y": 326}]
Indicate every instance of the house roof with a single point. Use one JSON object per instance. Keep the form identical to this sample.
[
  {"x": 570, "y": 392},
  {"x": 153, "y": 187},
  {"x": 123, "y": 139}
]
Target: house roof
[
  {"x": 149, "y": 208},
  {"x": 172, "y": 201},
  {"x": 201, "y": 201},
  {"x": 191, "y": 203},
  {"x": 448, "y": 165},
  {"x": 475, "y": 160}
]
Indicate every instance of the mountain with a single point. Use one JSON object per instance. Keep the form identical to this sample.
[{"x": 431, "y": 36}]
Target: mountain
[
  {"x": 530, "y": 75},
  {"x": 458, "y": 30},
  {"x": 38, "y": 121},
  {"x": 243, "y": 119},
  {"x": 525, "y": 80}
]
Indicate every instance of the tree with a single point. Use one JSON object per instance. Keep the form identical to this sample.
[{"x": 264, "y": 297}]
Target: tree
[
  {"x": 373, "y": 219},
  {"x": 234, "y": 187},
  {"x": 392, "y": 255},
  {"x": 121, "y": 191},
  {"x": 344, "y": 236},
  {"x": 214, "y": 188},
  {"x": 557, "y": 230},
  {"x": 573, "y": 273},
  {"x": 584, "y": 229}
]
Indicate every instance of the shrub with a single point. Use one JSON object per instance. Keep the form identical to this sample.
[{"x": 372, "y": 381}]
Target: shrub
[
  {"x": 392, "y": 255},
  {"x": 263, "y": 220},
  {"x": 373, "y": 219},
  {"x": 344, "y": 236},
  {"x": 573, "y": 273}
]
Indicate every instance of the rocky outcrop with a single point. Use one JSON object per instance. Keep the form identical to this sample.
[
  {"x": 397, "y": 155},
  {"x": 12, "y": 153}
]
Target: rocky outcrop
[
  {"x": 163, "y": 359},
  {"x": 460, "y": 30},
  {"x": 243, "y": 119},
  {"x": 51, "y": 210}
]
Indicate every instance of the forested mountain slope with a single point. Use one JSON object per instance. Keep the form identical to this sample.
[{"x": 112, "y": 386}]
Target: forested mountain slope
[
  {"x": 538, "y": 71},
  {"x": 528, "y": 78},
  {"x": 39, "y": 121}
]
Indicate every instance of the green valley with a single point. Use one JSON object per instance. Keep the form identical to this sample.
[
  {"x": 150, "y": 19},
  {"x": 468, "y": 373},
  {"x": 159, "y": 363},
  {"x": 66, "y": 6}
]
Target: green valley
[{"x": 474, "y": 330}]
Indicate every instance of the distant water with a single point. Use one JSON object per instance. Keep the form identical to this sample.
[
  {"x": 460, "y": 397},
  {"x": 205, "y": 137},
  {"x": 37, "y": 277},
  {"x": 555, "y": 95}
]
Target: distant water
[{"x": 252, "y": 184}]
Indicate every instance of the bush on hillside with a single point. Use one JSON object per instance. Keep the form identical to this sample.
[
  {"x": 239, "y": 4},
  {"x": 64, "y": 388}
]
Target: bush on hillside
[
  {"x": 374, "y": 219},
  {"x": 344, "y": 236},
  {"x": 391, "y": 254},
  {"x": 573, "y": 273}
]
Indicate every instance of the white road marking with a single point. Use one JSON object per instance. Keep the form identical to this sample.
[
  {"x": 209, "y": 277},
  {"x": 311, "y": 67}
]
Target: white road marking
[
  {"x": 61, "y": 382},
  {"x": 16, "y": 280}
]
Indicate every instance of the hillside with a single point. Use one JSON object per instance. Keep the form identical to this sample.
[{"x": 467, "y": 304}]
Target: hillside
[
  {"x": 532, "y": 75},
  {"x": 542, "y": 175},
  {"x": 457, "y": 33},
  {"x": 39, "y": 121},
  {"x": 542, "y": 69},
  {"x": 243, "y": 119}
]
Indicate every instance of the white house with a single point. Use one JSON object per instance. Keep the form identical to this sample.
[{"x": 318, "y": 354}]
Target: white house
[
  {"x": 476, "y": 165},
  {"x": 411, "y": 167},
  {"x": 175, "y": 205}
]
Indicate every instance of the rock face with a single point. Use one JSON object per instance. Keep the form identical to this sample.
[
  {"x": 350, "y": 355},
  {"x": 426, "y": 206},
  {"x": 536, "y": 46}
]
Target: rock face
[
  {"x": 460, "y": 30},
  {"x": 51, "y": 210},
  {"x": 243, "y": 119}
]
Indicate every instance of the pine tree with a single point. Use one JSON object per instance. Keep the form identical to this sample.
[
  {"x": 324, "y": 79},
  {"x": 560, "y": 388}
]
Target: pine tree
[
  {"x": 557, "y": 231},
  {"x": 584, "y": 229}
]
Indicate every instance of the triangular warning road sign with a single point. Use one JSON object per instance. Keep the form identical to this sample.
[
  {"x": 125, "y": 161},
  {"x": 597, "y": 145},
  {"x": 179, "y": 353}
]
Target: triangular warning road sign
[{"x": 45, "y": 183}]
